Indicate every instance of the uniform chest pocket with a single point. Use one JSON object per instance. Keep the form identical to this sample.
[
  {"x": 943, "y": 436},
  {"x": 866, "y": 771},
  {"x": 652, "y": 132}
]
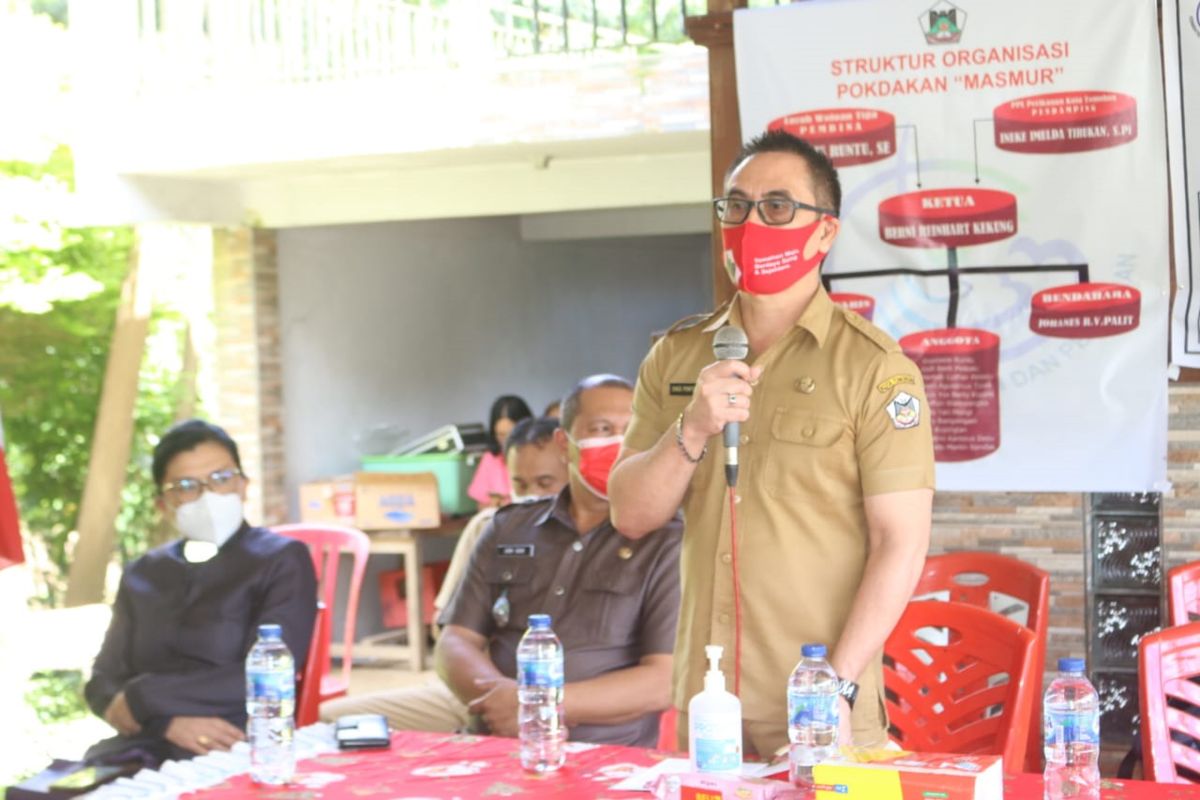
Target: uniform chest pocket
[
  {"x": 514, "y": 579},
  {"x": 610, "y": 603},
  {"x": 810, "y": 455}
]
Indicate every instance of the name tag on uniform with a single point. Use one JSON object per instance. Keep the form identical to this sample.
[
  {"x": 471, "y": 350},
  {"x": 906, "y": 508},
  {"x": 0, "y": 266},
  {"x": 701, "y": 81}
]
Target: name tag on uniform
[
  {"x": 683, "y": 389},
  {"x": 518, "y": 550}
]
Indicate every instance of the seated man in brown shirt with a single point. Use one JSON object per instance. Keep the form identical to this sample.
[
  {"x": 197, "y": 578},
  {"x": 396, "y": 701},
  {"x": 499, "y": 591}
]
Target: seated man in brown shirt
[{"x": 614, "y": 601}]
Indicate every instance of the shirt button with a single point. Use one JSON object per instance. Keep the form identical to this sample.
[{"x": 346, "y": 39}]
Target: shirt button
[
  {"x": 809, "y": 431},
  {"x": 723, "y": 619},
  {"x": 726, "y": 558},
  {"x": 745, "y": 439},
  {"x": 577, "y": 546},
  {"x": 559, "y": 591}
]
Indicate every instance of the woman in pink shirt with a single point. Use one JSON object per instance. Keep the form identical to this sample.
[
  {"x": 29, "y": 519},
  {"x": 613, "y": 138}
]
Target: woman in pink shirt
[{"x": 490, "y": 487}]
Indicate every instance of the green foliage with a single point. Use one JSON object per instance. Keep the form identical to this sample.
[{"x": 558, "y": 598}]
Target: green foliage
[
  {"x": 56, "y": 696},
  {"x": 51, "y": 373},
  {"x": 60, "y": 167},
  {"x": 56, "y": 10}
]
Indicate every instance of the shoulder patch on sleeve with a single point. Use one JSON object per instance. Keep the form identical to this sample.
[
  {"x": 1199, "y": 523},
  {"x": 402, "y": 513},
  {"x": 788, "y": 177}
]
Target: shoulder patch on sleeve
[
  {"x": 869, "y": 330},
  {"x": 905, "y": 411}
]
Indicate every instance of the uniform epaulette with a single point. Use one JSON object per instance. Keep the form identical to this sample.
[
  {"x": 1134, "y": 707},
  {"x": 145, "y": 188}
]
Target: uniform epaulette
[
  {"x": 870, "y": 330},
  {"x": 688, "y": 322}
]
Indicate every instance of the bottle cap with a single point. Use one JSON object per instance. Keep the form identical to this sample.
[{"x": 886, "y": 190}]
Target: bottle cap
[
  {"x": 270, "y": 631},
  {"x": 813, "y": 651},
  {"x": 714, "y": 680},
  {"x": 713, "y": 652},
  {"x": 1071, "y": 665},
  {"x": 539, "y": 622}
]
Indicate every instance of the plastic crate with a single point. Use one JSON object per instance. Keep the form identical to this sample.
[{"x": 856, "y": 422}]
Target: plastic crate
[
  {"x": 393, "y": 600},
  {"x": 453, "y": 471}
]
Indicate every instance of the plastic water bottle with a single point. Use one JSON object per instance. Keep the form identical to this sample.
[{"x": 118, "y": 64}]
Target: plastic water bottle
[
  {"x": 812, "y": 714},
  {"x": 270, "y": 707},
  {"x": 543, "y": 728},
  {"x": 1072, "y": 734}
]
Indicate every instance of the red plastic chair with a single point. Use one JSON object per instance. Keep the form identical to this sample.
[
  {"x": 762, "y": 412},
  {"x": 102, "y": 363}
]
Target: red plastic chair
[
  {"x": 668, "y": 722},
  {"x": 308, "y": 682},
  {"x": 1183, "y": 593},
  {"x": 327, "y": 543},
  {"x": 942, "y": 671},
  {"x": 975, "y": 579},
  {"x": 1168, "y": 664}
]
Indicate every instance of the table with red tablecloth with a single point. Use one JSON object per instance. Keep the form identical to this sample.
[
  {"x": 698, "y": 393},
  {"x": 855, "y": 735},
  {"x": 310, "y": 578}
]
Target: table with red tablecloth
[{"x": 432, "y": 766}]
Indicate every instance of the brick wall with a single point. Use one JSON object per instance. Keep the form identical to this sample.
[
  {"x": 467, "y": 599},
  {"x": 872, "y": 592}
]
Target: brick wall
[
  {"x": 1048, "y": 529},
  {"x": 249, "y": 401},
  {"x": 1181, "y": 510}
]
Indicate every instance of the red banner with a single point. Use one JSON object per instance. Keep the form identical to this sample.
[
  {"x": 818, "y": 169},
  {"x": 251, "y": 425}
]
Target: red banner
[{"x": 11, "y": 551}]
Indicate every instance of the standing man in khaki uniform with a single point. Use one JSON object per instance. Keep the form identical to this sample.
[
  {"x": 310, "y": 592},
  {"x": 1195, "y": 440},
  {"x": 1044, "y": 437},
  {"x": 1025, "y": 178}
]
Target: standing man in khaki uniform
[{"x": 833, "y": 503}]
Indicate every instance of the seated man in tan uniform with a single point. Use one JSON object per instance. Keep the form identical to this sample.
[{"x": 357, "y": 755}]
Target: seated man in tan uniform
[
  {"x": 613, "y": 601},
  {"x": 536, "y": 469}
]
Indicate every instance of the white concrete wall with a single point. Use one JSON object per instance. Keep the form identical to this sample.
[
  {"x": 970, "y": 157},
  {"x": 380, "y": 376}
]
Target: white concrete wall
[{"x": 418, "y": 324}]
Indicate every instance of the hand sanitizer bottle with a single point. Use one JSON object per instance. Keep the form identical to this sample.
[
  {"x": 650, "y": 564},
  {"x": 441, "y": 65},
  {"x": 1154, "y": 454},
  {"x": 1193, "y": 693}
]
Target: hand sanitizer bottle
[{"x": 715, "y": 723}]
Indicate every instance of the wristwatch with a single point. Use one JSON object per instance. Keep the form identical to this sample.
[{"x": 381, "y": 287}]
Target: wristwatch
[{"x": 848, "y": 690}]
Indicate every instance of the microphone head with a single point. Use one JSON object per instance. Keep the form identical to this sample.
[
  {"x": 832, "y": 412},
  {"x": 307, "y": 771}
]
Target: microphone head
[{"x": 731, "y": 342}]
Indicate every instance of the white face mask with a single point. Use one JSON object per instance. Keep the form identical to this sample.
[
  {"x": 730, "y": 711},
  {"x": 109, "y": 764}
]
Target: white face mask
[{"x": 210, "y": 518}]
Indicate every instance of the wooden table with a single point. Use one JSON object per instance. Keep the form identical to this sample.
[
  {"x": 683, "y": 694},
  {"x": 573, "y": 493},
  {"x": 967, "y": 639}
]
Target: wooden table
[{"x": 408, "y": 544}]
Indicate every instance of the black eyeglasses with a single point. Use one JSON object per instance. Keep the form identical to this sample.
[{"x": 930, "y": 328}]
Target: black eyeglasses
[
  {"x": 185, "y": 490},
  {"x": 771, "y": 210}
]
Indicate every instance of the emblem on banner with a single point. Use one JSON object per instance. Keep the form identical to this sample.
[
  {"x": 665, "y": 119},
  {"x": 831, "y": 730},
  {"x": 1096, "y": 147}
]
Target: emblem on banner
[
  {"x": 905, "y": 411},
  {"x": 1196, "y": 19},
  {"x": 943, "y": 23}
]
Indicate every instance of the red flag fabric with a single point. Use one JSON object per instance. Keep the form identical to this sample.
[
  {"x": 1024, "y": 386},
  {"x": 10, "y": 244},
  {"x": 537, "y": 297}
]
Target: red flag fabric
[{"x": 11, "y": 551}]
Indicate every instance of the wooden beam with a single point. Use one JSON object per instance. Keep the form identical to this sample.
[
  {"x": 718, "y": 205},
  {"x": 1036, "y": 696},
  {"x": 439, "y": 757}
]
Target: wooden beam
[
  {"x": 111, "y": 440},
  {"x": 714, "y": 31}
]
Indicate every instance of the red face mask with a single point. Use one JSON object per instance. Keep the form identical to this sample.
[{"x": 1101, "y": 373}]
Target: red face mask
[
  {"x": 766, "y": 259},
  {"x": 595, "y": 461}
]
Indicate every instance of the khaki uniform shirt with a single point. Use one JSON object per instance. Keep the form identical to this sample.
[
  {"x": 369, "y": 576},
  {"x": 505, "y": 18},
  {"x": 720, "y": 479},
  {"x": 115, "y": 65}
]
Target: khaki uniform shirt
[
  {"x": 462, "y": 555},
  {"x": 839, "y": 414},
  {"x": 611, "y": 600}
]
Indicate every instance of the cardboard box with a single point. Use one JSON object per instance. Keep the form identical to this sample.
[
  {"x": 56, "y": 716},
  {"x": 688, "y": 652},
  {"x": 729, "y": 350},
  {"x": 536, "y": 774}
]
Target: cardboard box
[
  {"x": 385, "y": 500},
  {"x": 895, "y": 774},
  {"x": 329, "y": 500},
  {"x": 453, "y": 470}
]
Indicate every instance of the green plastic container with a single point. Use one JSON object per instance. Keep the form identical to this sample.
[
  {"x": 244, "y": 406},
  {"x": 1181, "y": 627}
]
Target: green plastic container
[{"x": 453, "y": 471}]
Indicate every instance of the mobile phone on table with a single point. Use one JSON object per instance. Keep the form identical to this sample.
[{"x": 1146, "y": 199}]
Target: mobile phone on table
[{"x": 87, "y": 778}]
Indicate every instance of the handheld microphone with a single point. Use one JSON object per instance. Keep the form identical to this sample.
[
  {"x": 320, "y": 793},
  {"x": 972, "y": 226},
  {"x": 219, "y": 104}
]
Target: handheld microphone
[{"x": 731, "y": 343}]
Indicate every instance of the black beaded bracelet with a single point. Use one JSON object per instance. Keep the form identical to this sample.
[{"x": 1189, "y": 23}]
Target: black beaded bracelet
[{"x": 679, "y": 441}]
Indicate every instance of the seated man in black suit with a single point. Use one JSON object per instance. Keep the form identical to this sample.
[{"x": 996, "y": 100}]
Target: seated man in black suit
[{"x": 170, "y": 676}]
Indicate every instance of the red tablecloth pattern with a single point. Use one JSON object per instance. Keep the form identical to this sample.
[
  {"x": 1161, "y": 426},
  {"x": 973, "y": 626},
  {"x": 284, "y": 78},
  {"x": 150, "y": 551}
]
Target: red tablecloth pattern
[{"x": 434, "y": 766}]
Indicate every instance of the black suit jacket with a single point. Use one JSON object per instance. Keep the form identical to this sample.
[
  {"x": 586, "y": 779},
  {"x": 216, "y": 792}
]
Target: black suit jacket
[{"x": 180, "y": 631}]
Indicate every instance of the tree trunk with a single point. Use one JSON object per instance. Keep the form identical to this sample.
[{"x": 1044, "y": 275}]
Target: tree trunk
[
  {"x": 111, "y": 441},
  {"x": 185, "y": 399}
]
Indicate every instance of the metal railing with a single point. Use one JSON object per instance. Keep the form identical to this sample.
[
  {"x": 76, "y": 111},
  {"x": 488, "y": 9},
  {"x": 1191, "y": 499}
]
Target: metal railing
[{"x": 182, "y": 42}]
